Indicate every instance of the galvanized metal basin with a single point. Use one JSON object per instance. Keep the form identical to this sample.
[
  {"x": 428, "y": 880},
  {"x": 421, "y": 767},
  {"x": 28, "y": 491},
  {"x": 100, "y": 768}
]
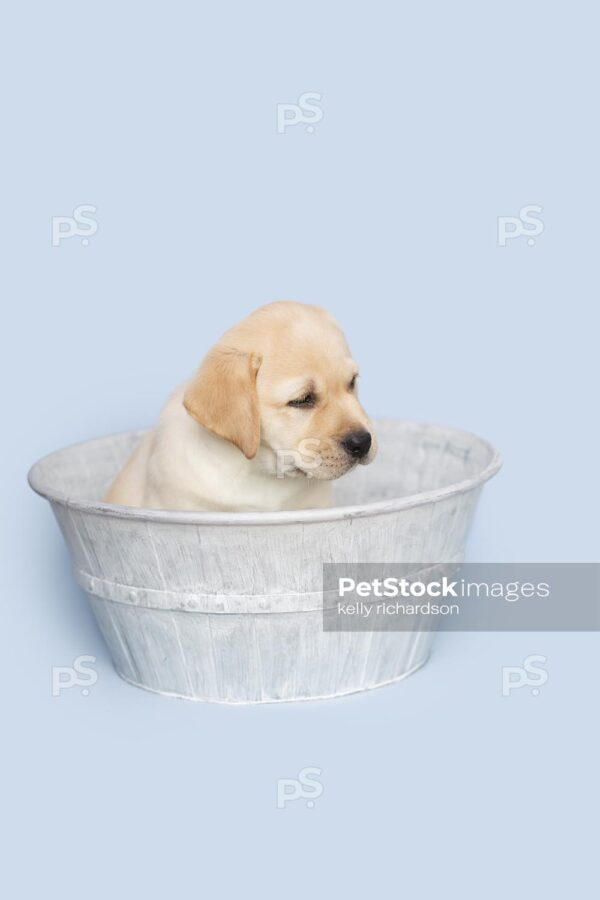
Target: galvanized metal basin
[{"x": 227, "y": 607}]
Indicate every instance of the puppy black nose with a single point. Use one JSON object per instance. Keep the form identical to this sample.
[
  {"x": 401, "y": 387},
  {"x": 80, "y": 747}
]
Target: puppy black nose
[{"x": 357, "y": 444}]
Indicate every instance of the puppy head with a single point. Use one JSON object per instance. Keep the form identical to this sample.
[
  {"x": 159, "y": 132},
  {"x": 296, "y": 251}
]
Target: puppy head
[{"x": 283, "y": 381}]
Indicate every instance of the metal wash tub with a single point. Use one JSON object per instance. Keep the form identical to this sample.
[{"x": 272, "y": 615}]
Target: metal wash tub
[{"x": 228, "y": 606}]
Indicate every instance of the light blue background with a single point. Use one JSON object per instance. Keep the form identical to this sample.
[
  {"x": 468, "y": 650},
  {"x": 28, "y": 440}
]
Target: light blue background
[{"x": 438, "y": 118}]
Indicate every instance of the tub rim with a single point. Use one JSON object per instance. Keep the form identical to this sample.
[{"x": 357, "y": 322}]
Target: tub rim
[{"x": 281, "y": 517}]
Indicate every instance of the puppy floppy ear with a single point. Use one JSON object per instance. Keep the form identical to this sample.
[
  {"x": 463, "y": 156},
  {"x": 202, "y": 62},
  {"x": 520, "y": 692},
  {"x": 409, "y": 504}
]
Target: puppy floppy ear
[{"x": 223, "y": 397}]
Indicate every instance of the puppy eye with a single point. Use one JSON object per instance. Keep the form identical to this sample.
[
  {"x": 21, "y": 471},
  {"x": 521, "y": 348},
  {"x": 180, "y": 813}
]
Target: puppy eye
[
  {"x": 352, "y": 384},
  {"x": 304, "y": 402}
]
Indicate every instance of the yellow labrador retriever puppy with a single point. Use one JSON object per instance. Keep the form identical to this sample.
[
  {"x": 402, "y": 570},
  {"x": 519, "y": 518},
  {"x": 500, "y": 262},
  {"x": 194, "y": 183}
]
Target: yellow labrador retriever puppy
[{"x": 269, "y": 419}]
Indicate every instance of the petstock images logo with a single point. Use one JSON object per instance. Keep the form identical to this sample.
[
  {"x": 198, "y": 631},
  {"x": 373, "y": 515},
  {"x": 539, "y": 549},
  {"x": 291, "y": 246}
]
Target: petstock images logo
[{"x": 461, "y": 597}]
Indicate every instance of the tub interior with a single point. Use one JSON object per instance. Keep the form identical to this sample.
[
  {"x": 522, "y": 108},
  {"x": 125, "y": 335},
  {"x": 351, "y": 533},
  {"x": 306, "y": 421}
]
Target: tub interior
[{"x": 413, "y": 457}]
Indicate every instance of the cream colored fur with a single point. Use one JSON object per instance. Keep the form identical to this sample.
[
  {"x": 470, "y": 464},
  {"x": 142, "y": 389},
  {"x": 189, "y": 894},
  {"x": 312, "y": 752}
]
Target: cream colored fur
[{"x": 230, "y": 440}]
